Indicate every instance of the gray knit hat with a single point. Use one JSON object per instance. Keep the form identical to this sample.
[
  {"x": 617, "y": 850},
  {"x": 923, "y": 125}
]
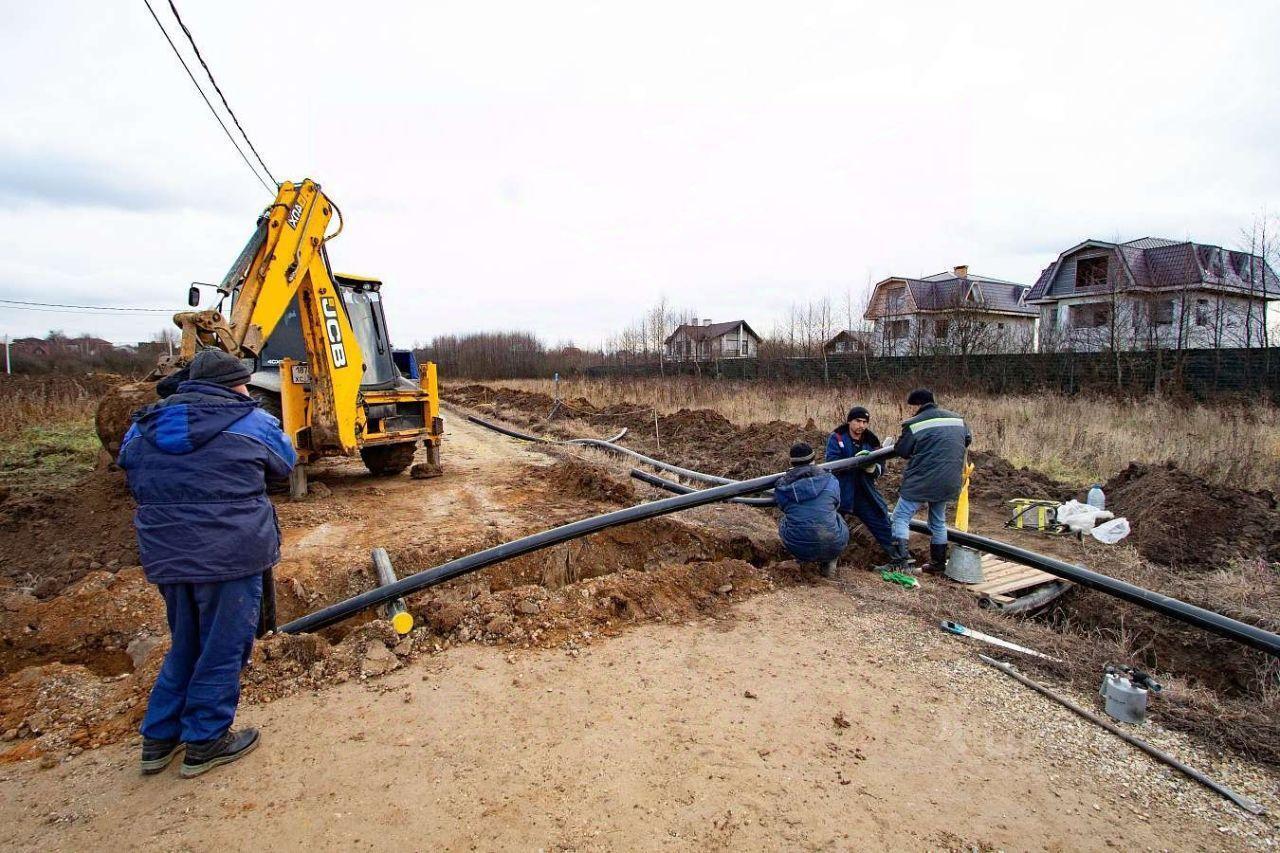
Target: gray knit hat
[{"x": 219, "y": 367}]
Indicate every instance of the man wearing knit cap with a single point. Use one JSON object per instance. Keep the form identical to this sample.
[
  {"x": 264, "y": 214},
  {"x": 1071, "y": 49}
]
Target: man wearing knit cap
[
  {"x": 811, "y": 527},
  {"x": 197, "y": 464},
  {"x": 859, "y": 496}
]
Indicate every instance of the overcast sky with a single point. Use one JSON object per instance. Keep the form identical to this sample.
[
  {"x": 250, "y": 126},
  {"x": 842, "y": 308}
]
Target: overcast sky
[{"x": 560, "y": 166}]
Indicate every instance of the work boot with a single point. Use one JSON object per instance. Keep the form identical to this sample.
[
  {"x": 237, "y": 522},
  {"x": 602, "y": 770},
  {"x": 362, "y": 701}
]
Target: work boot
[
  {"x": 899, "y": 559},
  {"x": 828, "y": 569},
  {"x": 203, "y": 756},
  {"x": 937, "y": 559},
  {"x": 156, "y": 754}
]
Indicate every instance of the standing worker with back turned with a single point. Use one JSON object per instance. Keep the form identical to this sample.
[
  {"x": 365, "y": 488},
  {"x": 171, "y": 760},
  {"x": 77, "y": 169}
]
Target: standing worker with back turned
[
  {"x": 197, "y": 463},
  {"x": 934, "y": 441}
]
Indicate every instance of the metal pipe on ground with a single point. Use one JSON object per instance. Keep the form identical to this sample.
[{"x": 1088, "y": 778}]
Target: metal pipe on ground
[
  {"x": 1174, "y": 608},
  {"x": 395, "y": 611},
  {"x": 472, "y": 562},
  {"x": 1239, "y": 799}
]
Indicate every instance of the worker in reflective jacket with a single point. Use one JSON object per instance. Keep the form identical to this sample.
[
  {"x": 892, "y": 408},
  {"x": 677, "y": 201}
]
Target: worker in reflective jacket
[
  {"x": 933, "y": 441},
  {"x": 859, "y": 496},
  {"x": 811, "y": 527}
]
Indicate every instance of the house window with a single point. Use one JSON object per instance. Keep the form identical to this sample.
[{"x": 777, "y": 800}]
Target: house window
[
  {"x": 897, "y": 300},
  {"x": 841, "y": 346},
  {"x": 1091, "y": 316},
  {"x": 899, "y": 329},
  {"x": 1162, "y": 312},
  {"x": 1091, "y": 272},
  {"x": 746, "y": 346},
  {"x": 1203, "y": 313},
  {"x": 731, "y": 348},
  {"x": 940, "y": 327}
]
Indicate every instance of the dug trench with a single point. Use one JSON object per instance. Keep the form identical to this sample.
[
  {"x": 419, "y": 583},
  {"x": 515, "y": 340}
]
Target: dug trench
[
  {"x": 1216, "y": 547},
  {"x": 81, "y": 639}
]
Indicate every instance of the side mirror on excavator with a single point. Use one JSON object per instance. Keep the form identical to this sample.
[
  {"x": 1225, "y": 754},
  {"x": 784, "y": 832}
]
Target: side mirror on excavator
[{"x": 193, "y": 296}]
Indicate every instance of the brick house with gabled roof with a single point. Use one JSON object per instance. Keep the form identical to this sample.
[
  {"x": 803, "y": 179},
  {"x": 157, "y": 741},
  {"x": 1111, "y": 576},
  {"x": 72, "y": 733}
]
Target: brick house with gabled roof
[
  {"x": 710, "y": 341},
  {"x": 1153, "y": 293},
  {"x": 951, "y": 312}
]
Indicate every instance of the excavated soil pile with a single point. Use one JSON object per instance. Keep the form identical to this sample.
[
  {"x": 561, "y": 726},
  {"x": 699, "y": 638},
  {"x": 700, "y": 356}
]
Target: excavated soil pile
[
  {"x": 588, "y": 481},
  {"x": 995, "y": 478},
  {"x": 1180, "y": 520},
  {"x": 48, "y": 540}
]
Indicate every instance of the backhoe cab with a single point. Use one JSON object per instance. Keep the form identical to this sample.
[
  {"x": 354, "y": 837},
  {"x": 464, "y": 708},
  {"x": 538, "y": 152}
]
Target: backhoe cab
[{"x": 322, "y": 360}]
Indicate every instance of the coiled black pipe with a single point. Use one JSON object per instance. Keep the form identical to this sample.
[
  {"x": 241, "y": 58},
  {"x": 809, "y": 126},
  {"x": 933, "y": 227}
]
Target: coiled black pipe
[
  {"x": 463, "y": 565},
  {"x": 1208, "y": 620}
]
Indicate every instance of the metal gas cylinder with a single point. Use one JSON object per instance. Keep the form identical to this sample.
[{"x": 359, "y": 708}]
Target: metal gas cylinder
[{"x": 1124, "y": 693}]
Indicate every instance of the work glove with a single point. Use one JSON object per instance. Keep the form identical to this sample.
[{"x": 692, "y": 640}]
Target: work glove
[{"x": 873, "y": 470}]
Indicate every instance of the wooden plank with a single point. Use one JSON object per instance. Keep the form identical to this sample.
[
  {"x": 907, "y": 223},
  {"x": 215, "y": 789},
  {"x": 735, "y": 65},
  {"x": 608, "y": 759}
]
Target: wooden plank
[
  {"x": 1020, "y": 583},
  {"x": 989, "y": 574}
]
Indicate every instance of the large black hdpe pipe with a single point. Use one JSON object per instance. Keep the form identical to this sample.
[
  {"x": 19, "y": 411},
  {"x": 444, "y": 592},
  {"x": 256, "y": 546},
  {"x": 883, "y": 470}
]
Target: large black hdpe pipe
[
  {"x": 1224, "y": 626},
  {"x": 662, "y": 483},
  {"x": 1208, "y": 620},
  {"x": 472, "y": 562},
  {"x": 610, "y": 446}
]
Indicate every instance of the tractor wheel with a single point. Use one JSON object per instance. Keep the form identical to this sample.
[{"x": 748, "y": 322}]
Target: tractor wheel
[{"x": 387, "y": 459}]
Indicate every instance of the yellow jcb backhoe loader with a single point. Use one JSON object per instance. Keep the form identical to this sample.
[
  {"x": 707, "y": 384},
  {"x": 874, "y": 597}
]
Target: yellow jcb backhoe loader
[{"x": 321, "y": 359}]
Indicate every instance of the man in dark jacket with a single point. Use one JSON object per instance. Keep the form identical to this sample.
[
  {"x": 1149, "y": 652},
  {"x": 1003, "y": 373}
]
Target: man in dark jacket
[
  {"x": 934, "y": 441},
  {"x": 811, "y": 527},
  {"x": 197, "y": 463},
  {"x": 859, "y": 496}
]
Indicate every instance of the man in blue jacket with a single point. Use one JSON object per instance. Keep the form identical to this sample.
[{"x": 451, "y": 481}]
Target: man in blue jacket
[
  {"x": 859, "y": 496},
  {"x": 197, "y": 463},
  {"x": 934, "y": 441},
  {"x": 811, "y": 527}
]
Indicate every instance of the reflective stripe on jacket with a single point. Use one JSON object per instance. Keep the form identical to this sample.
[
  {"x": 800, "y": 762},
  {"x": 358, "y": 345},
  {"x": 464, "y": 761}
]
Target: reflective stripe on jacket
[{"x": 934, "y": 440}]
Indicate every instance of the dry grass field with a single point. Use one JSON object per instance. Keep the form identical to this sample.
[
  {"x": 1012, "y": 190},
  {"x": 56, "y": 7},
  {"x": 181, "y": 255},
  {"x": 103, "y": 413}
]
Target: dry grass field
[
  {"x": 46, "y": 429},
  {"x": 1078, "y": 439}
]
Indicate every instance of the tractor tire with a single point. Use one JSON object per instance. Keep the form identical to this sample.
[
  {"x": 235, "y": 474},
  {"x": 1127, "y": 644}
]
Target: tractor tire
[{"x": 384, "y": 460}]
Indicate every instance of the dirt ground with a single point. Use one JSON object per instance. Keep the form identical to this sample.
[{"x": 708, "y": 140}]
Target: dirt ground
[
  {"x": 593, "y": 696},
  {"x": 710, "y": 734}
]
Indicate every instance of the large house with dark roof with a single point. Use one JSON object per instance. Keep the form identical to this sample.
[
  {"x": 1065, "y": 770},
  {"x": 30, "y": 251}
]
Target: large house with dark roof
[
  {"x": 710, "y": 341},
  {"x": 951, "y": 312},
  {"x": 1153, "y": 293}
]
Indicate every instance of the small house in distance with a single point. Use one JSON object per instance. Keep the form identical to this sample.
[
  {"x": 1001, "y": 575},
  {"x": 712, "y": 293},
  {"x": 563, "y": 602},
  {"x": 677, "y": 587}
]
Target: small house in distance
[
  {"x": 951, "y": 312},
  {"x": 1153, "y": 293},
  {"x": 710, "y": 341},
  {"x": 850, "y": 342}
]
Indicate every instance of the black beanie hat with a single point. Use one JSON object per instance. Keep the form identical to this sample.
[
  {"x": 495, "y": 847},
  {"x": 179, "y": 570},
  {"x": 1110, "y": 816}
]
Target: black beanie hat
[
  {"x": 920, "y": 397},
  {"x": 219, "y": 367},
  {"x": 801, "y": 454},
  {"x": 858, "y": 413}
]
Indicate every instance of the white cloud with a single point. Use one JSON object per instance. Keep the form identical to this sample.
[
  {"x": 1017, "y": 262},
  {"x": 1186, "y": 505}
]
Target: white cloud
[{"x": 558, "y": 166}]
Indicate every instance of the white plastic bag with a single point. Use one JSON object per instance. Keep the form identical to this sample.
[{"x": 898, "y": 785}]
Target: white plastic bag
[
  {"x": 1111, "y": 532},
  {"x": 1081, "y": 517}
]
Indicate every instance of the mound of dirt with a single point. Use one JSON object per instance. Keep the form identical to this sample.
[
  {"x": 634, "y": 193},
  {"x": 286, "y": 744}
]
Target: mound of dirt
[
  {"x": 115, "y": 412},
  {"x": 1182, "y": 521},
  {"x": 51, "y": 539},
  {"x": 995, "y": 477},
  {"x": 573, "y": 477}
]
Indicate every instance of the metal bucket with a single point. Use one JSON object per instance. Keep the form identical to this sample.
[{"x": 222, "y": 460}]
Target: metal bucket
[{"x": 964, "y": 565}]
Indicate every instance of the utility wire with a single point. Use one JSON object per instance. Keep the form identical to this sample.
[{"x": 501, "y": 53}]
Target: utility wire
[
  {"x": 21, "y": 303},
  {"x": 205, "y": 97},
  {"x": 218, "y": 89}
]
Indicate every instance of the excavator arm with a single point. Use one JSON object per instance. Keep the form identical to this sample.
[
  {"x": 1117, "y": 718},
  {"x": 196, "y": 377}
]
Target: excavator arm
[{"x": 285, "y": 259}]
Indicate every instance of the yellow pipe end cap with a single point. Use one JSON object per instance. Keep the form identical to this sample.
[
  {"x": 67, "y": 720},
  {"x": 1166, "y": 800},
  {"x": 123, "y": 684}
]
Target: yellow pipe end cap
[{"x": 402, "y": 622}]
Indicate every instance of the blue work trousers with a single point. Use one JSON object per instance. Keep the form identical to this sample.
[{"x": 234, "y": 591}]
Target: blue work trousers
[
  {"x": 904, "y": 509},
  {"x": 212, "y": 625}
]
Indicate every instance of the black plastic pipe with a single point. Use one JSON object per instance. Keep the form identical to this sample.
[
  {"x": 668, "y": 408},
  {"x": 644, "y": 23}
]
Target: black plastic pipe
[
  {"x": 1208, "y": 620},
  {"x": 1216, "y": 623},
  {"x": 472, "y": 562},
  {"x": 682, "y": 489}
]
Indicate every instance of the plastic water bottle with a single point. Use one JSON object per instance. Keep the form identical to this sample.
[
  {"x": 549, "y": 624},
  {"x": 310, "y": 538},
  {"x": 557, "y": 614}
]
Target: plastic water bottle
[{"x": 1096, "y": 498}]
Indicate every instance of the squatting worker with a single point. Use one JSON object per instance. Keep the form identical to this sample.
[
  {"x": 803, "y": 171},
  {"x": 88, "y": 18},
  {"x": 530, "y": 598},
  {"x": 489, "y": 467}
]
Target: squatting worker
[
  {"x": 809, "y": 497},
  {"x": 859, "y": 496},
  {"x": 197, "y": 463},
  {"x": 934, "y": 442}
]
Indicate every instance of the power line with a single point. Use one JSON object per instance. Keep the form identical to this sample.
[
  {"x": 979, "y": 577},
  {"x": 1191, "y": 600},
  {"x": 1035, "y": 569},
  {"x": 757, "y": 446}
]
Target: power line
[
  {"x": 218, "y": 89},
  {"x": 22, "y": 304},
  {"x": 205, "y": 98}
]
